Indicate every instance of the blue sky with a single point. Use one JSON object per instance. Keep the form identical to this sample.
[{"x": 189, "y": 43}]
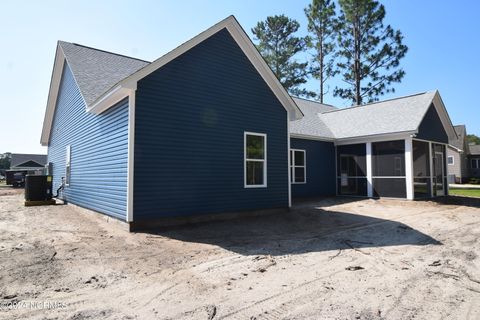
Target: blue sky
[{"x": 443, "y": 41}]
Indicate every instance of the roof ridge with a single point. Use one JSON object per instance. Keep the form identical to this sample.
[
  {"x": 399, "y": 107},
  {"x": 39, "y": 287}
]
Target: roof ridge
[
  {"x": 369, "y": 104},
  {"x": 313, "y": 101},
  {"x": 105, "y": 51}
]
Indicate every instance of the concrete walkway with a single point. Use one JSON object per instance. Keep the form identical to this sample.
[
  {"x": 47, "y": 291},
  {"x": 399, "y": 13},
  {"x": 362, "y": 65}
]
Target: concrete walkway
[{"x": 464, "y": 186}]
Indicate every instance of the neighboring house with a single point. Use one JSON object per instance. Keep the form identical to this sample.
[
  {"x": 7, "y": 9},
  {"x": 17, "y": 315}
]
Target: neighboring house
[
  {"x": 26, "y": 164},
  {"x": 207, "y": 129},
  {"x": 457, "y": 157},
  {"x": 474, "y": 161}
]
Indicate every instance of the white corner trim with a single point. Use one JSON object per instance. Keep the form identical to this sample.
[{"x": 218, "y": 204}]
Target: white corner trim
[
  {"x": 409, "y": 168},
  {"x": 288, "y": 166},
  {"x": 131, "y": 154},
  {"x": 368, "y": 146}
]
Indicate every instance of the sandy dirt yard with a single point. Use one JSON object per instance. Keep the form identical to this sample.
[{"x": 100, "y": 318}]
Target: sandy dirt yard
[{"x": 330, "y": 259}]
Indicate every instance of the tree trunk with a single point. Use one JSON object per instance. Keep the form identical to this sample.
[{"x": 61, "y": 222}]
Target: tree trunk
[
  {"x": 321, "y": 71},
  {"x": 357, "y": 53}
]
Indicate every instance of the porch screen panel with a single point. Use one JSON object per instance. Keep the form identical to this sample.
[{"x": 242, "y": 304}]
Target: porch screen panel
[
  {"x": 421, "y": 169},
  {"x": 388, "y": 169},
  {"x": 351, "y": 170}
]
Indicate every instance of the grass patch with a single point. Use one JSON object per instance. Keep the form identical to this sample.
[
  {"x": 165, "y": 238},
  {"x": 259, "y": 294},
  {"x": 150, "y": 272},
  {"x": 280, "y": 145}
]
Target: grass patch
[{"x": 464, "y": 192}]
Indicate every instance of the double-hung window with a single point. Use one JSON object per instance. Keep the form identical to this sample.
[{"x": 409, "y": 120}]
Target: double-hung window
[
  {"x": 255, "y": 145},
  {"x": 298, "y": 166},
  {"x": 450, "y": 160},
  {"x": 67, "y": 165},
  {"x": 475, "y": 163}
]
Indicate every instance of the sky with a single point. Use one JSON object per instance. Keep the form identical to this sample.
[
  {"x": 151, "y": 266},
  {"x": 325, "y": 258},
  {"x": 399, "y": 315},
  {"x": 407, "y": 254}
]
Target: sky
[{"x": 443, "y": 40}]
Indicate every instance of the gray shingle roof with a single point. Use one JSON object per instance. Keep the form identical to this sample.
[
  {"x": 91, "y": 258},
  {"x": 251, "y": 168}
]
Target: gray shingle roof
[
  {"x": 310, "y": 124},
  {"x": 95, "y": 70},
  {"x": 390, "y": 116},
  {"x": 19, "y": 158},
  {"x": 461, "y": 133},
  {"x": 474, "y": 149}
]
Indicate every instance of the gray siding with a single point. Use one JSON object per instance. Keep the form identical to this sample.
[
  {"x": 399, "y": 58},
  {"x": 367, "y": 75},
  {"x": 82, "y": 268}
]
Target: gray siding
[
  {"x": 190, "y": 120},
  {"x": 99, "y": 149},
  {"x": 320, "y": 169},
  {"x": 431, "y": 128},
  {"x": 454, "y": 170}
]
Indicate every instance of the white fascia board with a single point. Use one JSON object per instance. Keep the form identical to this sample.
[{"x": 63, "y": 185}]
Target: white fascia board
[
  {"x": 239, "y": 35},
  {"x": 376, "y": 138},
  {"x": 114, "y": 96},
  {"x": 52, "y": 95},
  {"x": 308, "y": 137}
]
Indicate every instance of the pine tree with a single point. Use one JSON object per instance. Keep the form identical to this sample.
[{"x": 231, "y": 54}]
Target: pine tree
[
  {"x": 370, "y": 52},
  {"x": 322, "y": 21},
  {"x": 279, "y": 45}
]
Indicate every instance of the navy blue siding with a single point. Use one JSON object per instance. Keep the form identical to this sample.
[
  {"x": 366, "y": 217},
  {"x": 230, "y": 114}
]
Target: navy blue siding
[
  {"x": 191, "y": 116},
  {"x": 432, "y": 128},
  {"x": 99, "y": 151},
  {"x": 320, "y": 162}
]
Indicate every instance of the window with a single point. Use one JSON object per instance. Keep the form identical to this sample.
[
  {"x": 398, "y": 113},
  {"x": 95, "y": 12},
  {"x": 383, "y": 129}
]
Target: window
[
  {"x": 450, "y": 160},
  {"x": 67, "y": 165},
  {"x": 255, "y": 160},
  {"x": 298, "y": 166},
  {"x": 475, "y": 163}
]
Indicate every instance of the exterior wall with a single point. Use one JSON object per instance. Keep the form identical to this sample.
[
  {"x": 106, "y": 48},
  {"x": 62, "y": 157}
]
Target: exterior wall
[
  {"x": 320, "y": 169},
  {"x": 455, "y": 174},
  {"x": 431, "y": 128},
  {"x": 190, "y": 119},
  {"x": 474, "y": 173},
  {"x": 99, "y": 151}
]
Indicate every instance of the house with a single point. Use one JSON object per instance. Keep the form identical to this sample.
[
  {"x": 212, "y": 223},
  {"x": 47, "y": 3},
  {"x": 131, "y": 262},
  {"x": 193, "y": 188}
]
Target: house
[
  {"x": 208, "y": 131},
  {"x": 26, "y": 164},
  {"x": 474, "y": 161},
  {"x": 457, "y": 156}
]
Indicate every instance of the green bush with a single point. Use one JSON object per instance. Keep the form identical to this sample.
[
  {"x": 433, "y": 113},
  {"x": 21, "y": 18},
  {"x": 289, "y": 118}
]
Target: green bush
[{"x": 474, "y": 181}]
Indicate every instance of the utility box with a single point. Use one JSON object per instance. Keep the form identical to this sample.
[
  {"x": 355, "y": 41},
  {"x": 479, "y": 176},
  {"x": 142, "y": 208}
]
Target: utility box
[{"x": 38, "y": 190}]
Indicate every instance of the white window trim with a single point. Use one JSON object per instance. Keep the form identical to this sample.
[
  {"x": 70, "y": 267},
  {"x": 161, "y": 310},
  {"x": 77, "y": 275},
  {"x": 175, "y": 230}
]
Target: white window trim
[
  {"x": 264, "y": 160},
  {"x": 453, "y": 160},
  {"x": 68, "y": 163},
  {"x": 477, "y": 162},
  {"x": 293, "y": 165}
]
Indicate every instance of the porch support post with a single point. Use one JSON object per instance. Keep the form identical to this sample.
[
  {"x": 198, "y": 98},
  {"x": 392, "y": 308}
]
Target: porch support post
[
  {"x": 369, "y": 170},
  {"x": 430, "y": 162},
  {"x": 409, "y": 168}
]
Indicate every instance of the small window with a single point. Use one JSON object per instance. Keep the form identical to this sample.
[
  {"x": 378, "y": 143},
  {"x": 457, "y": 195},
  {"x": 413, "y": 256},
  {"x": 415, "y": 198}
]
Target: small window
[
  {"x": 450, "y": 160},
  {"x": 67, "y": 165},
  {"x": 298, "y": 166},
  {"x": 255, "y": 160},
  {"x": 475, "y": 163}
]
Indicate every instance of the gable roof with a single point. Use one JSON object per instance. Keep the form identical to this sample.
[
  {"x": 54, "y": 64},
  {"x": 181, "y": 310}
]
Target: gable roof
[
  {"x": 105, "y": 78},
  {"x": 95, "y": 71},
  {"x": 475, "y": 149},
  {"x": 21, "y": 158},
  {"x": 310, "y": 124},
  {"x": 399, "y": 115},
  {"x": 459, "y": 142}
]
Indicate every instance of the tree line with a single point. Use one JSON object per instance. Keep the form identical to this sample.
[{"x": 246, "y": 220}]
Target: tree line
[{"x": 347, "y": 39}]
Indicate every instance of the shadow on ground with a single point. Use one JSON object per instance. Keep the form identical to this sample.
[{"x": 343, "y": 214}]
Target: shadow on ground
[
  {"x": 305, "y": 228},
  {"x": 460, "y": 201}
]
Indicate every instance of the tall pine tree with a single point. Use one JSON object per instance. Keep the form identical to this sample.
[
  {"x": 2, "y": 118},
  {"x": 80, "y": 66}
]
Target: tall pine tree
[
  {"x": 321, "y": 26},
  {"x": 370, "y": 52},
  {"x": 279, "y": 45}
]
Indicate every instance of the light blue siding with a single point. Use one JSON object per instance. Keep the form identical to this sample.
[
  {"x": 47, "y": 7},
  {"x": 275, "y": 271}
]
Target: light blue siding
[{"x": 99, "y": 151}]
